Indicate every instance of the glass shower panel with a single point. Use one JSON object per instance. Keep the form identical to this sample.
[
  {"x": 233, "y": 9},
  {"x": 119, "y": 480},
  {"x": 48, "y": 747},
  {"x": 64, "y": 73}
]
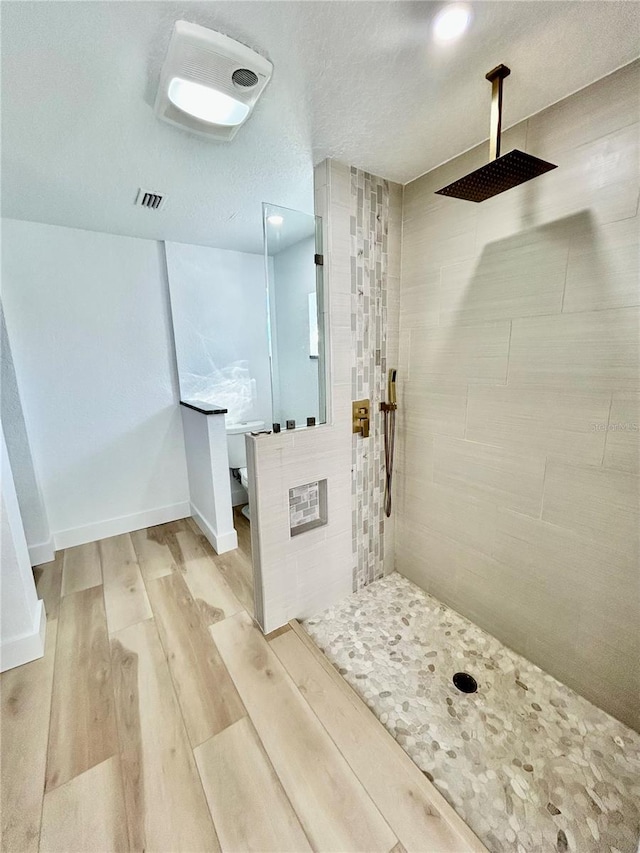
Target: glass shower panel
[
  {"x": 220, "y": 327},
  {"x": 293, "y": 256}
]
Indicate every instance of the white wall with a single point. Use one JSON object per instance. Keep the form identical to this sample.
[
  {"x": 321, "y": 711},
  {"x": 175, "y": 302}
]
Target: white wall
[
  {"x": 30, "y": 500},
  {"x": 88, "y": 319},
  {"x": 294, "y": 278},
  {"x": 219, "y": 305},
  {"x": 205, "y": 439},
  {"x": 22, "y": 617}
]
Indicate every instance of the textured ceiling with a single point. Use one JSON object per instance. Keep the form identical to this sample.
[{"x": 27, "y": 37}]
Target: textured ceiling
[{"x": 358, "y": 81}]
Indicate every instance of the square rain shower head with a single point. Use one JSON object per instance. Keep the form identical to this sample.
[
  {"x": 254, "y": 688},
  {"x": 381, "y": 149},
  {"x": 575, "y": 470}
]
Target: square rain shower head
[{"x": 498, "y": 175}]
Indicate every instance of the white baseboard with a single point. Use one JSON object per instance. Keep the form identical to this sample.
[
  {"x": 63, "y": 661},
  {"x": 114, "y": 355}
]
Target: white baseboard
[
  {"x": 220, "y": 542},
  {"x": 44, "y": 552},
  {"x": 29, "y": 646},
  {"x": 122, "y": 524}
]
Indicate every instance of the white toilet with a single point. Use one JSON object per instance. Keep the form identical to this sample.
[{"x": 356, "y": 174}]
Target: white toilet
[{"x": 237, "y": 450}]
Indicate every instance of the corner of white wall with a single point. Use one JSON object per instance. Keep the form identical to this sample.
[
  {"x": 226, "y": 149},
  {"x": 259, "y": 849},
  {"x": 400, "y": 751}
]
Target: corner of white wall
[{"x": 23, "y": 623}]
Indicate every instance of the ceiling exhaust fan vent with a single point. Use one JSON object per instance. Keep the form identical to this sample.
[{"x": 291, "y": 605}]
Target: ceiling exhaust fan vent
[
  {"x": 244, "y": 77},
  {"x": 152, "y": 201},
  {"x": 209, "y": 83}
]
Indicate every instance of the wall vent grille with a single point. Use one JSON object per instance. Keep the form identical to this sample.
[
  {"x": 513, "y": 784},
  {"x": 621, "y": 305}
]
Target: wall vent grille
[{"x": 153, "y": 201}]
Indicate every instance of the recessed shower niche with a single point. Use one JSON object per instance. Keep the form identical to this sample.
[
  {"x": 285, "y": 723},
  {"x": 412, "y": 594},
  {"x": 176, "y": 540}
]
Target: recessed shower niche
[{"x": 307, "y": 507}]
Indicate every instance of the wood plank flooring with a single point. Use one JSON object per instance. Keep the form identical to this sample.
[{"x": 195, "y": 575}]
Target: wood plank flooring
[
  {"x": 71, "y": 821},
  {"x": 160, "y": 719},
  {"x": 26, "y": 705},
  {"x": 250, "y": 808},
  {"x": 299, "y": 746},
  {"x": 82, "y": 730},
  {"x": 81, "y": 568}
]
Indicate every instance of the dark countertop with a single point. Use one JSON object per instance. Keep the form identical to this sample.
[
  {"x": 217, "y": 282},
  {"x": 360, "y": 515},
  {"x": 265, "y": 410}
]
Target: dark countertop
[{"x": 203, "y": 408}]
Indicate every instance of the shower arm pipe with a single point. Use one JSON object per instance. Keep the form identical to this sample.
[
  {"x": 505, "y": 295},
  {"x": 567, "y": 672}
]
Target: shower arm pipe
[{"x": 495, "y": 77}]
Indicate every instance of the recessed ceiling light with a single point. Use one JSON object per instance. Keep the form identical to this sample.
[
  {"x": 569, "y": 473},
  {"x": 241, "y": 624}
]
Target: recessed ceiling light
[
  {"x": 275, "y": 219},
  {"x": 451, "y": 22}
]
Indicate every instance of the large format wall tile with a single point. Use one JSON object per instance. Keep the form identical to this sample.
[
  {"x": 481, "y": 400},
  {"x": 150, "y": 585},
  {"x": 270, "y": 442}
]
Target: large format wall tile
[
  {"x": 599, "y": 504},
  {"x": 603, "y": 269},
  {"x": 599, "y": 179},
  {"x": 451, "y": 236},
  {"x": 622, "y": 450},
  {"x": 461, "y": 354},
  {"x": 600, "y": 672},
  {"x": 608, "y": 105},
  {"x": 518, "y": 448},
  {"x": 591, "y": 572},
  {"x": 420, "y": 303},
  {"x": 440, "y": 407},
  {"x": 591, "y": 351},
  {"x": 487, "y": 472},
  {"x": 437, "y": 563},
  {"x": 450, "y": 513},
  {"x": 520, "y": 276},
  {"x": 565, "y": 426}
]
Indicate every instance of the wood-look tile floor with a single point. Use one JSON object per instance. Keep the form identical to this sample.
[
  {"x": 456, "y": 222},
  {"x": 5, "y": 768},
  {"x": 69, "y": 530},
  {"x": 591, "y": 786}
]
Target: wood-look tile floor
[{"x": 161, "y": 719}]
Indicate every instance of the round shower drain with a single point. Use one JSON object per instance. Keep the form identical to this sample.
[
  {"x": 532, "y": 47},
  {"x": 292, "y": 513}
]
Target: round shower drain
[{"x": 465, "y": 682}]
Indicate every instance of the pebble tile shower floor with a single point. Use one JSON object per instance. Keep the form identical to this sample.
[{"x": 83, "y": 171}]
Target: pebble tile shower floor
[{"x": 527, "y": 763}]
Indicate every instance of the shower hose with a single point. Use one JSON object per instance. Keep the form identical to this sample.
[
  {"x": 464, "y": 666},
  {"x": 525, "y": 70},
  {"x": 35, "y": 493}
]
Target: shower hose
[{"x": 389, "y": 411}]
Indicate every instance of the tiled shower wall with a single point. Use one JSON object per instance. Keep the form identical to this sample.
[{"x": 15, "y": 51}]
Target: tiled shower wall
[
  {"x": 300, "y": 575},
  {"x": 374, "y": 226},
  {"x": 519, "y": 450}
]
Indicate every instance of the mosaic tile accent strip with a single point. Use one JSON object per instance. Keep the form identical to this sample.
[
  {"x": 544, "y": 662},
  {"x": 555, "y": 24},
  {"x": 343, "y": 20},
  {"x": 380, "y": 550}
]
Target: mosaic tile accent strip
[
  {"x": 307, "y": 506},
  {"x": 369, "y": 242},
  {"x": 528, "y": 764}
]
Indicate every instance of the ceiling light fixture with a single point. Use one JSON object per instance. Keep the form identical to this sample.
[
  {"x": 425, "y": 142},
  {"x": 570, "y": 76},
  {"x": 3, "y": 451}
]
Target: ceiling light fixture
[
  {"x": 451, "y": 22},
  {"x": 206, "y": 104},
  {"x": 209, "y": 83},
  {"x": 275, "y": 219}
]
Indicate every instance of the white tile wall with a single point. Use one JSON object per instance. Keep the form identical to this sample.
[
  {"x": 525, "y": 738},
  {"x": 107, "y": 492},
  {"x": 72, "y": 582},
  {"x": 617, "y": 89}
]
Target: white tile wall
[
  {"x": 299, "y": 576},
  {"x": 489, "y": 472},
  {"x": 589, "y": 351},
  {"x": 622, "y": 435},
  {"x": 517, "y": 478},
  {"x": 473, "y": 354},
  {"x": 288, "y": 586},
  {"x": 566, "y": 426}
]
